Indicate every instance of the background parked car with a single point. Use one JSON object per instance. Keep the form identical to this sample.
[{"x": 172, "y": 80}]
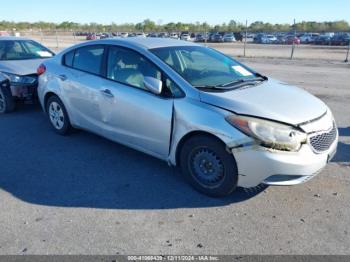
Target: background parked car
[
  {"x": 268, "y": 39},
  {"x": 308, "y": 38},
  {"x": 323, "y": 40},
  {"x": 19, "y": 60},
  {"x": 174, "y": 36},
  {"x": 200, "y": 38},
  {"x": 91, "y": 36},
  {"x": 229, "y": 37},
  {"x": 257, "y": 38},
  {"x": 153, "y": 35},
  {"x": 106, "y": 35},
  {"x": 239, "y": 36},
  {"x": 218, "y": 38},
  {"x": 124, "y": 34},
  {"x": 341, "y": 39},
  {"x": 185, "y": 37},
  {"x": 291, "y": 39}
]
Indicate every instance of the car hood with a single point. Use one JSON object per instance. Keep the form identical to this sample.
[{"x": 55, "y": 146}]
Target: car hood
[
  {"x": 20, "y": 67},
  {"x": 271, "y": 100}
]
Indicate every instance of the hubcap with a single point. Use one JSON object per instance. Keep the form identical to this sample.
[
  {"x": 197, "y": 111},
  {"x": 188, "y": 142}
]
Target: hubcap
[
  {"x": 2, "y": 102},
  {"x": 56, "y": 115},
  {"x": 207, "y": 168}
]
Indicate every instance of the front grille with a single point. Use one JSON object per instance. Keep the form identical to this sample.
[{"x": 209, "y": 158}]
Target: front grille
[{"x": 322, "y": 142}]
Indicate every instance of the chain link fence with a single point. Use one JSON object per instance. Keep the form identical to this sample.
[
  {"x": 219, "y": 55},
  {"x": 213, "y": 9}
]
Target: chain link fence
[{"x": 58, "y": 40}]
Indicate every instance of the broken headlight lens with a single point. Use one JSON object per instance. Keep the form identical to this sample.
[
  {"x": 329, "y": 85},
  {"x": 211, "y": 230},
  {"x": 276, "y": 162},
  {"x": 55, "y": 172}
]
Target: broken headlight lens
[
  {"x": 20, "y": 80},
  {"x": 270, "y": 134}
]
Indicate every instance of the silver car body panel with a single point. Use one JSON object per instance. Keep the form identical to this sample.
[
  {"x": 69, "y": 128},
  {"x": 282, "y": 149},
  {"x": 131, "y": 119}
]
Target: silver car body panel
[
  {"x": 21, "y": 67},
  {"x": 157, "y": 126},
  {"x": 271, "y": 100},
  {"x": 2, "y": 77}
]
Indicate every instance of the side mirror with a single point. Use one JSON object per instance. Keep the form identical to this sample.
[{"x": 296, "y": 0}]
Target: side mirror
[{"x": 153, "y": 84}]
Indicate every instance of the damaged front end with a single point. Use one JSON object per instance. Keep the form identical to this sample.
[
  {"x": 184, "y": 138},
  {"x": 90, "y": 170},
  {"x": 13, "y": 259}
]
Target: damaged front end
[{"x": 23, "y": 87}]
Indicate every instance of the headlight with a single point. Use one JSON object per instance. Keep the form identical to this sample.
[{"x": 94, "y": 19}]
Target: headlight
[
  {"x": 270, "y": 134},
  {"x": 20, "y": 80}
]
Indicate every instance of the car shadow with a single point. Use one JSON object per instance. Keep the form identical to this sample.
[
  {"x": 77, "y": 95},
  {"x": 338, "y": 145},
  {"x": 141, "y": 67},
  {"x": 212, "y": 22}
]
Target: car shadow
[
  {"x": 85, "y": 170},
  {"x": 343, "y": 153},
  {"x": 344, "y": 131},
  {"x": 343, "y": 150}
]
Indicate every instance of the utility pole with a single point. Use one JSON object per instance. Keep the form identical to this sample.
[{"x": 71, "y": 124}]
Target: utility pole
[
  {"x": 293, "y": 46},
  {"x": 245, "y": 38}
]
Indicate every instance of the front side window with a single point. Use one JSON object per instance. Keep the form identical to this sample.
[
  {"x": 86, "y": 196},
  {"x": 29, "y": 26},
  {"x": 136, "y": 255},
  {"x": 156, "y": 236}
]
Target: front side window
[
  {"x": 129, "y": 67},
  {"x": 202, "y": 66},
  {"x": 22, "y": 49},
  {"x": 88, "y": 59}
]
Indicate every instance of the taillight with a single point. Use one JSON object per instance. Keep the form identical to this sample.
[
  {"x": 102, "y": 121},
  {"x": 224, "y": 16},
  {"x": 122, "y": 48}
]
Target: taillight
[{"x": 41, "y": 69}]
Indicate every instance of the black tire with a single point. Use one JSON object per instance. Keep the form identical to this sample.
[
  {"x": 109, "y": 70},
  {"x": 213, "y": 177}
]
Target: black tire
[
  {"x": 7, "y": 101},
  {"x": 208, "y": 167},
  {"x": 58, "y": 116}
]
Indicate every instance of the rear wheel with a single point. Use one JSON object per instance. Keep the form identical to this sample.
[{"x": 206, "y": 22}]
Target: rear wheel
[
  {"x": 208, "y": 167},
  {"x": 58, "y": 116},
  {"x": 7, "y": 102}
]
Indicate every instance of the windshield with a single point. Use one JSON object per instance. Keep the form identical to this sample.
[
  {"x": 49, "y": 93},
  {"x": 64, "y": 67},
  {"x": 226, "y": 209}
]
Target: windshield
[
  {"x": 22, "y": 49},
  {"x": 202, "y": 66}
]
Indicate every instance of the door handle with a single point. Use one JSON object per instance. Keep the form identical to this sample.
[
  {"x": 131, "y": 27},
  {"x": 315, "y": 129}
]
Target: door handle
[
  {"x": 107, "y": 93},
  {"x": 63, "y": 77}
]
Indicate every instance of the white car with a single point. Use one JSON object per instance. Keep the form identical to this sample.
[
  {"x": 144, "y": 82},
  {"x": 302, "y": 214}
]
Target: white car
[
  {"x": 174, "y": 36},
  {"x": 308, "y": 38},
  {"x": 268, "y": 39},
  {"x": 185, "y": 37}
]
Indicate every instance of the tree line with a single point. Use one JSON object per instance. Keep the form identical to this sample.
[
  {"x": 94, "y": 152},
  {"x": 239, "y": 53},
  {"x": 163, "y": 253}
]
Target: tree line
[{"x": 151, "y": 26}]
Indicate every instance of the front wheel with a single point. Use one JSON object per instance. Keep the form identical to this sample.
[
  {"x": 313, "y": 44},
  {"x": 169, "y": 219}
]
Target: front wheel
[
  {"x": 208, "y": 167},
  {"x": 58, "y": 116}
]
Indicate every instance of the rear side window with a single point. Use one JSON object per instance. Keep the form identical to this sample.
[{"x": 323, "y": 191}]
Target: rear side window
[
  {"x": 68, "y": 58},
  {"x": 88, "y": 59}
]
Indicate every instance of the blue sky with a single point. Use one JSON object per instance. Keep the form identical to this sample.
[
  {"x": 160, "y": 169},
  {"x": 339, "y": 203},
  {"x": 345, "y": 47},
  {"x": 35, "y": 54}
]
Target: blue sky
[{"x": 164, "y": 11}]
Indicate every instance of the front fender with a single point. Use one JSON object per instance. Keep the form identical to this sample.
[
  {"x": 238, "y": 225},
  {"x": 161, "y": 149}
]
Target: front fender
[{"x": 191, "y": 115}]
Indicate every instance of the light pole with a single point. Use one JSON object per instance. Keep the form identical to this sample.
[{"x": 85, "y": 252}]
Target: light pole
[
  {"x": 245, "y": 38},
  {"x": 293, "y": 46}
]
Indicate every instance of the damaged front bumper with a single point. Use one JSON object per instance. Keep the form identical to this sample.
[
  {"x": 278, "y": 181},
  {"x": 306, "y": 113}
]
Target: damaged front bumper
[
  {"x": 258, "y": 165},
  {"x": 24, "y": 92}
]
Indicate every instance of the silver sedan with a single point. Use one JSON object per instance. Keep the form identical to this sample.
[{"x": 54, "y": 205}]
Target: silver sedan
[{"x": 223, "y": 123}]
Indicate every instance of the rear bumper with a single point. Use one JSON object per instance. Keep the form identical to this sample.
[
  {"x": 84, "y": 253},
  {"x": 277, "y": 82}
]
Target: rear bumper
[{"x": 258, "y": 165}]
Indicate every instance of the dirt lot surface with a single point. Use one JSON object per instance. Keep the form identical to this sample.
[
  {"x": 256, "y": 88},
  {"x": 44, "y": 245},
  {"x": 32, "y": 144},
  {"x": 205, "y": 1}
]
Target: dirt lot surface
[{"x": 82, "y": 194}]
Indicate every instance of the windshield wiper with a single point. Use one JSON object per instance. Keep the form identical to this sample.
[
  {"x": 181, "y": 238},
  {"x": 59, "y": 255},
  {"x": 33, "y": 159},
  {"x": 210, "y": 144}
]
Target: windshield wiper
[
  {"x": 259, "y": 78},
  {"x": 239, "y": 82}
]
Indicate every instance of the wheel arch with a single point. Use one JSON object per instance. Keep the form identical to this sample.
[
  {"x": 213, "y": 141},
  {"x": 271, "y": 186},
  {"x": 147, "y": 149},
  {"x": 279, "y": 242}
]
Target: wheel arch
[
  {"x": 190, "y": 135},
  {"x": 47, "y": 97}
]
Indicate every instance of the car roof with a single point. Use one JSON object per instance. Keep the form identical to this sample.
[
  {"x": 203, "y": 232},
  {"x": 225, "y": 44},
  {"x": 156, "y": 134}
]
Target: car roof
[{"x": 146, "y": 43}]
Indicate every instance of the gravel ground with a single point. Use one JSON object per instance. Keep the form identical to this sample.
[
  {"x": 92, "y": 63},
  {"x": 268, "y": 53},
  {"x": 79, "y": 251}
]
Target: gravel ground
[{"x": 82, "y": 194}]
